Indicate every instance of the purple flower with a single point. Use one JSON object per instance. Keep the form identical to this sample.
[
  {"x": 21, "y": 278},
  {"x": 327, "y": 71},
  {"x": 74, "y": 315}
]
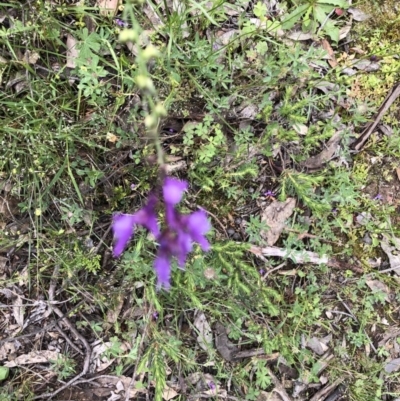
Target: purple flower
[
  {"x": 133, "y": 186},
  {"x": 211, "y": 385},
  {"x": 121, "y": 23},
  {"x": 270, "y": 194},
  {"x": 173, "y": 190},
  {"x": 155, "y": 315},
  {"x": 378, "y": 197},
  {"x": 122, "y": 227},
  {"x": 123, "y": 224},
  {"x": 177, "y": 238}
]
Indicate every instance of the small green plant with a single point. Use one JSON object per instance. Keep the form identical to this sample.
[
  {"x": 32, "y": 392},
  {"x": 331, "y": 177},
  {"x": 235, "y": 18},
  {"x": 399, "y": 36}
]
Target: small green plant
[
  {"x": 315, "y": 16},
  {"x": 63, "y": 366}
]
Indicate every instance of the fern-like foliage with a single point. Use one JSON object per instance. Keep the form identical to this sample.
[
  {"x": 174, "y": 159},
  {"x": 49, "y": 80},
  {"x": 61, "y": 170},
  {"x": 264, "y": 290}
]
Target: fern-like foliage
[
  {"x": 303, "y": 186},
  {"x": 243, "y": 276}
]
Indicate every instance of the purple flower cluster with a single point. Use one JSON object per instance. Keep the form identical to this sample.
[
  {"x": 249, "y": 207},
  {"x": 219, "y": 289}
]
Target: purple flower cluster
[{"x": 177, "y": 238}]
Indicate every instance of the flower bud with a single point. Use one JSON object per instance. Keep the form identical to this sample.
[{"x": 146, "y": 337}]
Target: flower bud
[
  {"x": 149, "y": 52},
  {"x": 128, "y": 35},
  {"x": 144, "y": 82},
  {"x": 150, "y": 121},
  {"x": 159, "y": 109}
]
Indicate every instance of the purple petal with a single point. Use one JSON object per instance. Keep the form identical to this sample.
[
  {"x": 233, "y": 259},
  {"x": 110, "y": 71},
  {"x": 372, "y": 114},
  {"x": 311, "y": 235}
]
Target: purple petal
[
  {"x": 198, "y": 226},
  {"x": 184, "y": 246},
  {"x": 122, "y": 227},
  {"x": 173, "y": 190},
  {"x": 147, "y": 216},
  {"x": 162, "y": 267}
]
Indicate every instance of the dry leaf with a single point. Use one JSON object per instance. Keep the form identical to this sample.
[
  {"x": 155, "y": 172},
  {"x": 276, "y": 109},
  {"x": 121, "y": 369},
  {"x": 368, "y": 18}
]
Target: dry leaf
[
  {"x": 6, "y": 350},
  {"x": 332, "y": 59},
  {"x": 264, "y": 396},
  {"x": 376, "y": 285},
  {"x": 108, "y": 7},
  {"x": 31, "y": 57},
  {"x": 152, "y": 15},
  {"x": 392, "y": 366},
  {"x": 169, "y": 393},
  {"x": 204, "y": 337},
  {"x": 116, "y": 380},
  {"x": 34, "y": 357},
  {"x": 112, "y": 314},
  {"x": 398, "y": 172},
  {"x": 72, "y": 51},
  {"x": 316, "y": 346},
  {"x": 393, "y": 255},
  {"x": 317, "y": 162},
  {"x": 299, "y": 35},
  {"x": 358, "y": 15},
  {"x": 18, "y": 311},
  {"x": 179, "y": 7},
  {"x": 111, "y": 137},
  {"x": 301, "y": 129},
  {"x": 344, "y": 31},
  {"x": 275, "y": 216}
]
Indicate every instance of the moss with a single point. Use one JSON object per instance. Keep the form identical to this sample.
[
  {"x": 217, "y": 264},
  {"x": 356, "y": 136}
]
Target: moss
[{"x": 379, "y": 37}]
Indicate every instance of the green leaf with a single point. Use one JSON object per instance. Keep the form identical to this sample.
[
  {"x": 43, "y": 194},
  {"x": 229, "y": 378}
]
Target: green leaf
[
  {"x": 332, "y": 31},
  {"x": 260, "y": 10},
  {"x": 294, "y": 16},
  {"x": 319, "y": 14},
  {"x": 337, "y": 3},
  {"x": 4, "y": 372}
]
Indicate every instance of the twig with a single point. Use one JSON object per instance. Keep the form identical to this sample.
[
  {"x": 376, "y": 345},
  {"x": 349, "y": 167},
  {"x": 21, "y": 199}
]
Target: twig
[
  {"x": 272, "y": 270},
  {"x": 302, "y": 257},
  {"x": 390, "y": 98},
  {"x": 139, "y": 356},
  {"x": 86, "y": 362},
  {"x": 320, "y": 395},
  {"x": 278, "y": 386},
  {"x": 42, "y": 330}
]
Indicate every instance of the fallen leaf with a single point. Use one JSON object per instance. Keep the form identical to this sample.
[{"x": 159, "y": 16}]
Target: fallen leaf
[
  {"x": 317, "y": 162},
  {"x": 169, "y": 393},
  {"x": 264, "y": 396},
  {"x": 361, "y": 64},
  {"x": 111, "y": 137},
  {"x": 72, "y": 51},
  {"x": 249, "y": 111},
  {"x": 205, "y": 336},
  {"x": 316, "y": 346},
  {"x": 332, "y": 59},
  {"x": 398, "y": 172},
  {"x": 107, "y": 7},
  {"x": 299, "y": 35},
  {"x": 179, "y": 8},
  {"x": 31, "y": 57},
  {"x": 344, "y": 30},
  {"x": 392, "y": 366},
  {"x": 301, "y": 129},
  {"x": 6, "y": 350},
  {"x": 18, "y": 310},
  {"x": 116, "y": 380},
  {"x": 151, "y": 14},
  {"x": 376, "y": 285},
  {"x": 358, "y": 15},
  {"x": 113, "y": 313},
  {"x": 275, "y": 216},
  {"x": 34, "y": 357},
  {"x": 392, "y": 253}
]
